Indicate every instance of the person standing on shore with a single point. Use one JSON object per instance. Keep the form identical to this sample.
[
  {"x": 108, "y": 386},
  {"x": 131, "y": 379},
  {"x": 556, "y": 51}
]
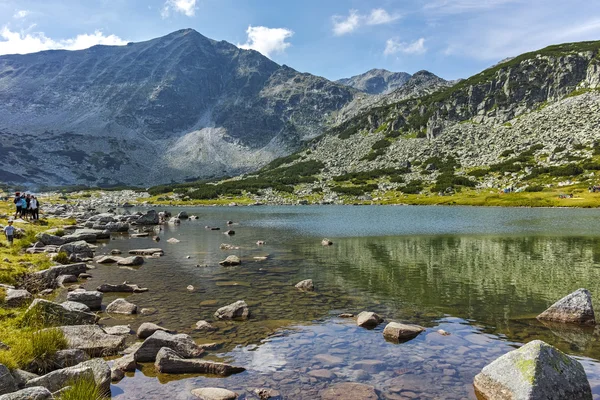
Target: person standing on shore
[
  {"x": 17, "y": 202},
  {"x": 33, "y": 208},
  {"x": 9, "y": 231}
]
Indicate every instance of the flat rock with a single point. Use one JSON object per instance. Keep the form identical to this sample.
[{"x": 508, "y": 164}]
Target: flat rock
[
  {"x": 132, "y": 261},
  {"x": 306, "y": 285},
  {"x": 57, "y": 314},
  {"x": 75, "y": 306},
  {"x": 237, "y": 310},
  {"x": 91, "y": 298},
  {"x": 371, "y": 366},
  {"x": 50, "y": 274},
  {"x": 126, "y": 363},
  {"x": 121, "y": 306},
  {"x": 349, "y": 391},
  {"x": 92, "y": 339},
  {"x": 368, "y": 319},
  {"x": 535, "y": 371},
  {"x": 321, "y": 374},
  {"x": 118, "y": 330},
  {"x": 230, "y": 261},
  {"x": 120, "y": 288},
  {"x": 146, "y": 252},
  {"x": 109, "y": 259},
  {"x": 70, "y": 357},
  {"x": 214, "y": 394},
  {"x": 397, "y": 332},
  {"x": 168, "y": 361},
  {"x": 173, "y": 240},
  {"x": 56, "y": 380},
  {"x": 32, "y": 393},
  {"x": 147, "y": 329},
  {"x": 183, "y": 344},
  {"x": 17, "y": 297},
  {"x": 575, "y": 308}
]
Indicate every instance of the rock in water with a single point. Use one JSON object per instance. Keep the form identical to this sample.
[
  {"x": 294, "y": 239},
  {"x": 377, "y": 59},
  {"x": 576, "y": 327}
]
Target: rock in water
[
  {"x": 230, "y": 261},
  {"x": 183, "y": 344},
  {"x": 326, "y": 242},
  {"x": 349, "y": 391},
  {"x": 214, "y": 394},
  {"x": 535, "y": 371},
  {"x": 168, "y": 361},
  {"x": 575, "y": 308},
  {"x": 306, "y": 285},
  {"x": 237, "y": 310},
  {"x": 397, "y": 332},
  {"x": 368, "y": 319},
  {"x": 147, "y": 329},
  {"x": 121, "y": 306}
]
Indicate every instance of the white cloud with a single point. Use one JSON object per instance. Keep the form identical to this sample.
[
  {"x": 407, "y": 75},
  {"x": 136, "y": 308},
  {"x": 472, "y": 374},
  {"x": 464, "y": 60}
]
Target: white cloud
[
  {"x": 23, "y": 43},
  {"x": 187, "y": 7},
  {"x": 393, "y": 46},
  {"x": 267, "y": 40},
  {"x": 20, "y": 14},
  {"x": 379, "y": 16},
  {"x": 344, "y": 25}
]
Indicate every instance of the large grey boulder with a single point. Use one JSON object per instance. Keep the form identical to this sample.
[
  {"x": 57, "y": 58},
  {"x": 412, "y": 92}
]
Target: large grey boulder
[
  {"x": 237, "y": 310},
  {"x": 55, "y": 313},
  {"x": 575, "y": 308},
  {"x": 49, "y": 239},
  {"x": 147, "y": 329},
  {"x": 368, "y": 319},
  {"x": 349, "y": 391},
  {"x": 92, "y": 339},
  {"x": 91, "y": 298},
  {"x": 126, "y": 363},
  {"x": 70, "y": 357},
  {"x": 96, "y": 369},
  {"x": 149, "y": 218},
  {"x": 33, "y": 393},
  {"x": 22, "y": 377},
  {"x": 214, "y": 394},
  {"x": 80, "y": 248},
  {"x": 75, "y": 306},
  {"x": 536, "y": 371},
  {"x": 132, "y": 261},
  {"x": 168, "y": 361},
  {"x": 183, "y": 344},
  {"x": 17, "y": 297},
  {"x": 117, "y": 226},
  {"x": 397, "y": 332},
  {"x": 7, "y": 381},
  {"x": 52, "y": 273},
  {"x": 121, "y": 306}
]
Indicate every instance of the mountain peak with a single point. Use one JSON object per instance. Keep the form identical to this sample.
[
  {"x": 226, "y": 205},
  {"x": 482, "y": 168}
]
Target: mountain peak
[{"x": 377, "y": 81}]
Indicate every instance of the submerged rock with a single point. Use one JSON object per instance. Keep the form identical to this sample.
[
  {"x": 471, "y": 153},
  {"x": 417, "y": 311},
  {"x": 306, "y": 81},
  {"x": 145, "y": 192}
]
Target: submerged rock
[
  {"x": 397, "y": 332},
  {"x": 237, "y": 310},
  {"x": 368, "y": 319},
  {"x": 535, "y": 371},
  {"x": 205, "y": 326},
  {"x": 575, "y": 308},
  {"x": 214, "y": 394},
  {"x": 168, "y": 361},
  {"x": 349, "y": 391}
]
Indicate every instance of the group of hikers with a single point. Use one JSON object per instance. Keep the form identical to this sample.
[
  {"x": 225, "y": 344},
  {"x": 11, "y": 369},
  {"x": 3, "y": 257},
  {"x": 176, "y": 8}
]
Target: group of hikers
[{"x": 27, "y": 206}]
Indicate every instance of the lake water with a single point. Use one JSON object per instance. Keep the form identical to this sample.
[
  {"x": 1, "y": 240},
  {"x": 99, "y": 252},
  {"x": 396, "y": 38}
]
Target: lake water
[{"x": 482, "y": 274}]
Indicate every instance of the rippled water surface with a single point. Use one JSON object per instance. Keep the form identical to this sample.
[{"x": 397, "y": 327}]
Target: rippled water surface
[{"x": 482, "y": 274}]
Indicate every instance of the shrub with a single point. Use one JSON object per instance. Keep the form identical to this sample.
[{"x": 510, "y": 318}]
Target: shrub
[
  {"x": 355, "y": 190},
  {"x": 381, "y": 144},
  {"x": 413, "y": 187},
  {"x": 61, "y": 258},
  {"x": 566, "y": 170},
  {"x": 507, "y": 153},
  {"x": 591, "y": 166},
  {"x": 534, "y": 188},
  {"x": 478, "y": 173},
  {"x": 34, "y": 350}
]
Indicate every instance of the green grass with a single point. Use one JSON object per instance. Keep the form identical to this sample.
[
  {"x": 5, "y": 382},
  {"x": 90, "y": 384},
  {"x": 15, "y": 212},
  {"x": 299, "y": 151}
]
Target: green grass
[{"x": 82, "y": 389}]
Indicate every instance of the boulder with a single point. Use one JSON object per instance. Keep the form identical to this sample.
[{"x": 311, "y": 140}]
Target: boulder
[
  {"x": 326, "y": 242},
  {"x": 126, "y": 363},
  {"x": 267, "y": 394},
  {"x": 131, "y": 261},
  {"x": 229, "y": 232},
  {"x": 17, "y": 297},
  {"x": 147, "y": 329},
  {"x": 80, "y": 248},
  {"x": 230, "y": 261},
  {"x": 121, "y": 306},
  {"x": 117, "y": 226},
  {"x": 49, "y": 239},
  {"x": 146, "y": 252},
  {"x": 237, "y": 310},
  {"x": 175, "y": 221},
  {"x": 204, "y": 326},
  {"x": 32, "y": 393},
  {"x": 75, "y": 306},
  {"x": 535, "y": 371},
  {"x": 120, "y": 288},
  {"x": 116, "y": 375},
  {"x": 173, "y": 240},
  {"x": 92, "y": 339},
  {"x": 22, "y": 377},
  {"x": 368, "y": 319},
  {"x": 55, "y": 313},
  {"x": 182, "y": 215},
  {"x": 214, "y": 394},
  {"x": 91, "y": 298},
  {"x": 118, "y": 330},
  {"x": 70, "y": 357},
  {"x": 349, "y": 391},
  {"x": 306, "y": 285},
  {"x": 62, "y": 279},
  {"x": 56, "y": 380},
  {"x": 108, "y": 260},
  {"x": 183, "y": 344},
  {"x": 168, "y": 361},
  {"x": 576, "y": 308},
  {"x": 397, "y": 332},
  {"x": 149, "y": 218},
  {"x": 49, "y": 275},
  {"x": 7, "y": 381}
]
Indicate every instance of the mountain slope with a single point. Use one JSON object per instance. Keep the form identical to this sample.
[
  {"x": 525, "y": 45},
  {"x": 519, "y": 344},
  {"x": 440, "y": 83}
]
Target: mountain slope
[
  {"x": 377, "y": 81},
  {"x": 173, "y": 108}
]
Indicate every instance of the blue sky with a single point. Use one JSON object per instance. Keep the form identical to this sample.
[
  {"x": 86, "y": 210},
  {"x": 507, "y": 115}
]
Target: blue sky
[{"x": 331, "y": 38}]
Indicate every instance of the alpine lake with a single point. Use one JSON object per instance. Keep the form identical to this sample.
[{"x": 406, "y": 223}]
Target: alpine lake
[{"x": 480, "y": 274}]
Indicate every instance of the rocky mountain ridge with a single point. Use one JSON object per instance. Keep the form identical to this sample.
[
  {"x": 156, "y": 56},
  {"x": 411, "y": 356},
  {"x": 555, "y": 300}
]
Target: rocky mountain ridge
[{"x": 377, "y": 81}]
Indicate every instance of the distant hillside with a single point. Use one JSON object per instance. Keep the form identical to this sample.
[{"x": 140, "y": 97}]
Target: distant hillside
[{"x": 377, "y": 81}]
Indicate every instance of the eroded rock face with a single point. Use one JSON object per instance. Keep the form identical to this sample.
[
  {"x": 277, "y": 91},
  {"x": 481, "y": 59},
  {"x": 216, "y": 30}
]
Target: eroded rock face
[
  {"x": 535, "y": 371},
  {"x": 183, "y": 344},
  {"x": 397, "y": 332},
  {"x": 368, "y": 319},
  {"x": 237, "y": 310},
  {"x": 349, "y": 391},
  {"x": 575, "y": 308},
  {"x": 168, "y": 361}
]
